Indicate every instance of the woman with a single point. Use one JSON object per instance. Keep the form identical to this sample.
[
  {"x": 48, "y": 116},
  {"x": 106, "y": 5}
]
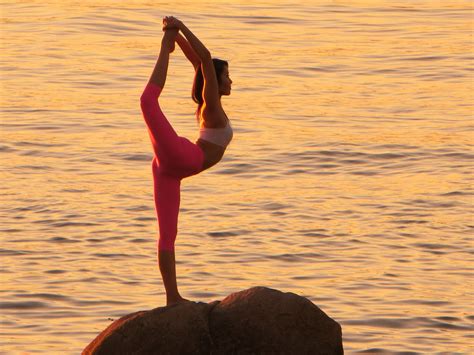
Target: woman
[{"x": 176, "y": 157}]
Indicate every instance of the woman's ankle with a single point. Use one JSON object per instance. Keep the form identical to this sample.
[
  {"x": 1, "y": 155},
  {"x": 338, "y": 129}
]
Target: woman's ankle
[{"x": 174, "y": 299}]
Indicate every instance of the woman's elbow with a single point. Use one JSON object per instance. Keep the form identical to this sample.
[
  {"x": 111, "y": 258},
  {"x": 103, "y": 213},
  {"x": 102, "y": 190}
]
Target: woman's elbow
[
  {"x": 150, "y": 93},
  {"x": 206, "y": 56}
]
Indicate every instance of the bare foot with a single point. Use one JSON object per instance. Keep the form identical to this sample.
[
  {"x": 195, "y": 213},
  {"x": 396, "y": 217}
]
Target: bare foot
[
  {"x": 172, "y": 47},
  {"x": 169, "y": 39}
]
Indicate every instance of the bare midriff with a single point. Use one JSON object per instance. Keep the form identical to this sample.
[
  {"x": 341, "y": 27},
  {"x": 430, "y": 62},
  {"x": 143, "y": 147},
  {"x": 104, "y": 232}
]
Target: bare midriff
[{"x": 213, "y": 153}]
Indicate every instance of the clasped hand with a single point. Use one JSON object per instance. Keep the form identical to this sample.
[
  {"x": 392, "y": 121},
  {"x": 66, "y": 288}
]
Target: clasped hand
[{"x": 170, "y": 22}]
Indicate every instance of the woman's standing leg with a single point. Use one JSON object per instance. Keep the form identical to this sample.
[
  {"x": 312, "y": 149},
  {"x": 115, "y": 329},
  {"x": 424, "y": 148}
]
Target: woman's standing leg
[{"x": 167, "y": 201}]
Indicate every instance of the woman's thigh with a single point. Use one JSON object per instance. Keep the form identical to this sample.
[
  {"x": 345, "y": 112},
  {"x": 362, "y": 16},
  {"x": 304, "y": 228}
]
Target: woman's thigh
[{"x": 186, "y": 160}]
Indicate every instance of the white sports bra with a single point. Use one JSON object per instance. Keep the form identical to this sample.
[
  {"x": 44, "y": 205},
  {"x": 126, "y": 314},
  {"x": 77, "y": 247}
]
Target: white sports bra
[{"x": 219, "y": 136}]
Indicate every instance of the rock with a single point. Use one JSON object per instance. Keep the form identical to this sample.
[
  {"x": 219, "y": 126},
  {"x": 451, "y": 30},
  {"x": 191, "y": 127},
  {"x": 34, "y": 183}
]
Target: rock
[
  {"x": 269, "y": 321},
  {"x": 177, "y": 329},
  {"x": 259, "y": 320}
]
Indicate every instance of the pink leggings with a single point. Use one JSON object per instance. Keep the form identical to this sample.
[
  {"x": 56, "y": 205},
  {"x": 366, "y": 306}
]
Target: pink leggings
[{"x": 175, "y": 158}]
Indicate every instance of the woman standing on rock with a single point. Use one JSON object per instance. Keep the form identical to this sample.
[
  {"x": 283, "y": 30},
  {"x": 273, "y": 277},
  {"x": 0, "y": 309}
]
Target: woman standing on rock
[{"x": 176, "y": 157}]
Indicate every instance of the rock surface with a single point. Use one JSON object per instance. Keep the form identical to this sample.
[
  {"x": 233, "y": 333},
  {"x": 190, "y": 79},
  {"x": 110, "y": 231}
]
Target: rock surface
[{"x": 259, "y": 320}]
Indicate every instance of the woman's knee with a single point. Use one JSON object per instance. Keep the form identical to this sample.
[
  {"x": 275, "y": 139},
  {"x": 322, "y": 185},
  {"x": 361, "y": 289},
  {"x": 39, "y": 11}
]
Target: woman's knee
[
  {"x": 166, "y": 243},
  {"x": 150, "y": 93}
]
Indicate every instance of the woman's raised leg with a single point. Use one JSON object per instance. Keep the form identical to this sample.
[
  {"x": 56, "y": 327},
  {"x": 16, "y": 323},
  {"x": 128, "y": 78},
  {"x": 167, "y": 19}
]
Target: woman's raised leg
[
  {"x": 158, "y": 77},
  {"x": 164, "y": 138}
]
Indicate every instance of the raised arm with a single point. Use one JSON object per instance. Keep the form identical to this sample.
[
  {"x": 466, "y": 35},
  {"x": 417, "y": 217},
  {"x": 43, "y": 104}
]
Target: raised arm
[
  {"x": 188, "y": 51},
  {"x": 211, "y": 88}
]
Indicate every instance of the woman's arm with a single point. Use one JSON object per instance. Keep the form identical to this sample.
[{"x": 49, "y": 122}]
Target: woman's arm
[
  {"x": 188, "y": 51},
  {"x": 211, "y": 87}
]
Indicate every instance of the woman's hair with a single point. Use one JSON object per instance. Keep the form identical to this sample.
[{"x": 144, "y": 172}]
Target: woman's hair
[{"x": 198, "y": 84}]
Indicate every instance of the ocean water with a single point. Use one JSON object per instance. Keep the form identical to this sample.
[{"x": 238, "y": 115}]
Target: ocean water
[{"x": 349, "y": 179}]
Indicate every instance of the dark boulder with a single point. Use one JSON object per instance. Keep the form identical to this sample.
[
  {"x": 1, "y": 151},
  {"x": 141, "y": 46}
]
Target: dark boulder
[{"x": 259, "y": 320}]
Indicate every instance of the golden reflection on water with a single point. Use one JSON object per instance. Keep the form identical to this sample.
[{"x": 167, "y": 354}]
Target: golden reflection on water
[{"x": 347, "y": 181}]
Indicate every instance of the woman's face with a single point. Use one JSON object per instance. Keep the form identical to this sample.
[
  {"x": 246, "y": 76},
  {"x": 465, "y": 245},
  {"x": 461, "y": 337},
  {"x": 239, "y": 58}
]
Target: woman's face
[{"x": 226, "y": 82}]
